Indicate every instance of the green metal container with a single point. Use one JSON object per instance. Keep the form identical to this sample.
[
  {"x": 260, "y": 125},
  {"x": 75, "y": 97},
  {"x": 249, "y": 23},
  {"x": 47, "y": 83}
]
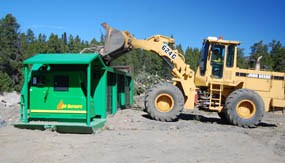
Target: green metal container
[{"x": 74, "y": 91}]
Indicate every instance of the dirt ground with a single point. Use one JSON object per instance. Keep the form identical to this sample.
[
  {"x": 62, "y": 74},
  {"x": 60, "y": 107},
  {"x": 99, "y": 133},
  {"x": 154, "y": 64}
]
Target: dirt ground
[{"x": 131, "y": 136}]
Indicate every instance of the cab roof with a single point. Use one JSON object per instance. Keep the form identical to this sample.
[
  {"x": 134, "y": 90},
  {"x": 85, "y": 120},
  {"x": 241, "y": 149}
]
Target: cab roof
[{"x": 221, "y": 41}]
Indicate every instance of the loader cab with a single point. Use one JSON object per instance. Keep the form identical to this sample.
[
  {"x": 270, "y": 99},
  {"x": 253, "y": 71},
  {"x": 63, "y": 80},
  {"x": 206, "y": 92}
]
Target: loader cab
[{"x": 217, "y": 60}]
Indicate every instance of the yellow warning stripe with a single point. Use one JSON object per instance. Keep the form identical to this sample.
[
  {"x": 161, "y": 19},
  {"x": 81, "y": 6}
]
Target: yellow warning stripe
[{"x": 60, "y": 111}]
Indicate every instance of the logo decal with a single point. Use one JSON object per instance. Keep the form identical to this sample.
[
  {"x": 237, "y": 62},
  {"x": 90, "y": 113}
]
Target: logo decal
[{"x": 61, "y": 105}]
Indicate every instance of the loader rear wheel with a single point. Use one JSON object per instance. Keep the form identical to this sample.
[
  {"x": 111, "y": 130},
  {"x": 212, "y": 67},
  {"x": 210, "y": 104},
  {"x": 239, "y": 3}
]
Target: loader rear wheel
[
  {"x": 244, "y": 108},
  {"x": 164, "y": 102}
]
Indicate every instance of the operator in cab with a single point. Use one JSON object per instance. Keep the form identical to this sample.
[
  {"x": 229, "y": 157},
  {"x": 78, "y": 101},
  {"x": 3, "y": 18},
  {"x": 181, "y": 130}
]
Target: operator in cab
[
  {"x": 217, "y": 56},
  {"x": 217, "y": 63}
]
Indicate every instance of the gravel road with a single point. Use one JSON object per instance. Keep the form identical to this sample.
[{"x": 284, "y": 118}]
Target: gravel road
[{"x": 131, "y": 136}]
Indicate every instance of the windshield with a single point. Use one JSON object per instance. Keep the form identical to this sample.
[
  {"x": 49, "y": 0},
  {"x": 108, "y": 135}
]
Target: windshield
[{"x": 203, "y": 58}]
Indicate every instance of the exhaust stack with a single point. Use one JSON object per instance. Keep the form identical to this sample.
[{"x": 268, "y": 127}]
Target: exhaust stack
[{"x": 257, "y": 66}]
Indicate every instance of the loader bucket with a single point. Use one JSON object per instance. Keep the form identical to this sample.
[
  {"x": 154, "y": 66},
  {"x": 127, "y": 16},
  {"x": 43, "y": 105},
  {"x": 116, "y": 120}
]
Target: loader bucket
[{"x": 115, "y": 44}]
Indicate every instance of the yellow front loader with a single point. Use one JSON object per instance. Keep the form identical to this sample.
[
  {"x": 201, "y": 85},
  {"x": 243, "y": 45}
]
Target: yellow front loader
[{"x": 240, "y": 96}]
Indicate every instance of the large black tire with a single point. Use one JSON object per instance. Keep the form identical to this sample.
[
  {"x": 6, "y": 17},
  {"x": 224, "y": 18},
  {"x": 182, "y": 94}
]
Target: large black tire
[
  {"x": 244, "y": 108},
  {"x": 164, "y": 102}
]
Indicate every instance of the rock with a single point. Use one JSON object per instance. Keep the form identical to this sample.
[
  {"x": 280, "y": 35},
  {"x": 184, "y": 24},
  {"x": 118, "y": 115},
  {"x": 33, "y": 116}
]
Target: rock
[
  {"x": 9, "y": 99},
  {"x": 2, "y": 122}
]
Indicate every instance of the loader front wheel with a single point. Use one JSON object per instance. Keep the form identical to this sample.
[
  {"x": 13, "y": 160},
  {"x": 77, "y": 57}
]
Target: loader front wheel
[
  {"x": 244, "y": 108},
  {"x": 164, "y": 102}
]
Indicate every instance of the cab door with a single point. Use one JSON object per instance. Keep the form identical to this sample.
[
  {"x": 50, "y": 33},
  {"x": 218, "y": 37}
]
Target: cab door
[
  {"x": 217, "y": 61},
  {"x": 230, "y": 63}
]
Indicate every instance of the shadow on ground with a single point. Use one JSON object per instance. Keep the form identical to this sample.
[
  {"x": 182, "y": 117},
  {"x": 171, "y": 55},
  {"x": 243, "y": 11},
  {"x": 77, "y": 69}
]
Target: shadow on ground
[{"x": 203, "y": 119}]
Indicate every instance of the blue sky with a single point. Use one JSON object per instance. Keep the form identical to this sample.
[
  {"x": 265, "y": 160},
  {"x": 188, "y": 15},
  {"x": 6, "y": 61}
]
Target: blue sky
[{"x": 189, "y": 21}]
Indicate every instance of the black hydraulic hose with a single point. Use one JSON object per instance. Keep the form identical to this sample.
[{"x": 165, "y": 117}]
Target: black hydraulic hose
[{"x": 168, "y": 62}]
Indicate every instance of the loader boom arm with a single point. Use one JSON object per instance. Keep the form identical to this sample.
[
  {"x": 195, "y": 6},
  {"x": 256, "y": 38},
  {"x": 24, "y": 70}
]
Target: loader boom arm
[{"x": 159, "y": 45}]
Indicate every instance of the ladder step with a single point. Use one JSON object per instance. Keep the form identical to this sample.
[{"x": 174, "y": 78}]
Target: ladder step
[
  {"x": 215, "y": 99},
  {"x": 219, "y": 90}
]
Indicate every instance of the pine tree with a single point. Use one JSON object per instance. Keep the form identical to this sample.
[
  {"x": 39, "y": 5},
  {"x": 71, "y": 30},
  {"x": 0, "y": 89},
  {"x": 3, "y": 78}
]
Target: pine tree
[
  {"x": 261, "y": 49},
  {"x": 278, "y": 56},
  {"x": 6, "y": 83},
  {"x": 54, "y": 44},
  {"x": 77, "y": 44},
  {"x": 192, "y": 57},
  {"x": 10, "y": 55},
  {"x": 63, "y": 43},
  {"x": 41, "y": 44},
  {"x": 241, "y": 62}
]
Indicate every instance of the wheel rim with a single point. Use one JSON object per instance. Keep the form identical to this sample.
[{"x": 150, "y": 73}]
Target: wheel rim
[
  {"x": 164, "y": 102},
  {"x": 246, "y": 109}
]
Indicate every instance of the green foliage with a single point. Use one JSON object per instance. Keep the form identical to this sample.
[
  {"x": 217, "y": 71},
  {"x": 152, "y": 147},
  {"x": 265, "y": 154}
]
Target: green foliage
[
  {"x": 241, "y": 61},
  {"x": 192, "y": 57},
  {"x": 261, "y": 49},
  {"x": 279, "y": 60},
  {"x": 17, "y": 46},
  {"x": 10, "y": 54},
  {"x": 278, "y": 56},
  {"x": 53, "y": 44},
  {"x": 6, "y": 83},
  {"x": 144, "y": 61},
  {"x": 273, "y": 55}
]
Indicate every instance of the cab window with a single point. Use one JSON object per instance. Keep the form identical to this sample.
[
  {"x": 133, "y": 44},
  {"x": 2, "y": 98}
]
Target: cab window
[
  {"x": 230, "y": 56},
  {"x": 218, "y": 53},
  {"x": 203, "y": 58},
  {"x": 217, "y": 60}
]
